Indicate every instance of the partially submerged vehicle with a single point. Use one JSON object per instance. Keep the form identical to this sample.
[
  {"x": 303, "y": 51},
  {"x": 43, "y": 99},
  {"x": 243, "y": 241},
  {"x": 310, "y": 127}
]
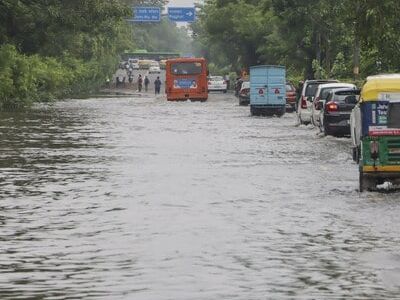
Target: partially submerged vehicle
[
  {"x": 375, "y": 132},
  {"x": 290, "y": 97},
  {"x": 186, "y": 78},
  {"x": 267, "y": 90},
  {"x": 305, "y": 102},
  {"x": 335, "y": 111}
]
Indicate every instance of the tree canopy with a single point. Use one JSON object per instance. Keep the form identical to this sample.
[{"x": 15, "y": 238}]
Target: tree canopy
[{"x": 318, "y": 38}]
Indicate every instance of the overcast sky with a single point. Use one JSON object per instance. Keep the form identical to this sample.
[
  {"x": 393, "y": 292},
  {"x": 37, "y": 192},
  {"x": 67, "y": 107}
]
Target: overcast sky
[{"x": 184, "y": 3}]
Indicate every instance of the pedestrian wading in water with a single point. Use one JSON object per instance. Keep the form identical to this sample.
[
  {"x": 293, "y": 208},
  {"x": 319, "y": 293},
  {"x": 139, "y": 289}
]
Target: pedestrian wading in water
[
  {"x": 157, "y": 85},
  {"x": 146, "y": 83},
  {"x": 140, "y": 83}
]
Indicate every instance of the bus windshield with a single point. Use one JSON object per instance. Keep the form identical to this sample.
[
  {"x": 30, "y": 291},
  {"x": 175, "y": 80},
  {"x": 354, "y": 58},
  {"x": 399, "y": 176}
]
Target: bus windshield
[{"x": 186, "y": 68}]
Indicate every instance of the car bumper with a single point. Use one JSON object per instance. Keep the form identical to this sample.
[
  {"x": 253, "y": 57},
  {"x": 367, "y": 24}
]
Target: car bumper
[
  {"x": 217, "y": 88},
  {"x": 339, "y": 124},
  {"x": 187, "y": 96},
  {"x": 267, "y": 110},
  {"x": 291, "y": 101},
  {"x": 305, "y": 115}
]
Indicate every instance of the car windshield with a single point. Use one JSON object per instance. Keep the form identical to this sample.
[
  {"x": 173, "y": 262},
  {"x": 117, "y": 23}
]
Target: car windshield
[
  {"x": 186, "y": 68},
  {"x": 325, "y": 91},
  {"x": 311, "y": 89},
  {"x": 349, "y": 99},
  {"x": 289, "y": 88},
  {"x": 217, "y": 78},
  {"x": 394, "y": 115}
]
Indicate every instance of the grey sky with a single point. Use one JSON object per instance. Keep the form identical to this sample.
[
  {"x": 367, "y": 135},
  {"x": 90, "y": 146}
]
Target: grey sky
[{"x": 184, "y": 3}]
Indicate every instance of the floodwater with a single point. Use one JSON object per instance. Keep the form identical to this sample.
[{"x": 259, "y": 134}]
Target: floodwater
[{"x": 137, "y": 198}]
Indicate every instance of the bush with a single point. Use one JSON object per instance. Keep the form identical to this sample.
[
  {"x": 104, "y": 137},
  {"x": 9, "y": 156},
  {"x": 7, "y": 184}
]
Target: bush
[{"x": 28, "y": 79}]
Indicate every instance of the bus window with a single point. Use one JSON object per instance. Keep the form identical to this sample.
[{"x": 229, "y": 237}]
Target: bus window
[{"x": 186, "y": 68}]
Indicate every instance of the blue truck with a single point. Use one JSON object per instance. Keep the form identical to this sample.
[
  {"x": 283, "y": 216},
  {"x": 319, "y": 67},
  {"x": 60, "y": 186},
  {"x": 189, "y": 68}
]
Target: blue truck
[{"x": 267, "y": 90}]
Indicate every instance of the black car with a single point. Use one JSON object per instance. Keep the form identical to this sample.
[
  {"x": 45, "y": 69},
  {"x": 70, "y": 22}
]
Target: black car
[{"x": 335, "y": 115}]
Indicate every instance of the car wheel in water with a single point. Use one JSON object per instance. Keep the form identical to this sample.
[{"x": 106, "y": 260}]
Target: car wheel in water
[
  {"x": 321, "y": 124},
  {"x": 366, "y": 183},
  {"x": 327, "y": 131},
  {"x": 254, "y": 112},
  {"x": 298, "y": 119},
  {"x": 361, "y": 182},
  {"x": 355, "y": 154}
]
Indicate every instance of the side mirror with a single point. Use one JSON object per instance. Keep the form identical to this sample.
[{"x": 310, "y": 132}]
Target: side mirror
[{"x": 319, "y": 105}]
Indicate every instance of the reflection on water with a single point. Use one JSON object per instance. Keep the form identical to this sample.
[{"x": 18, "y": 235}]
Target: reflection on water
[{"x": 142, "y": 199}]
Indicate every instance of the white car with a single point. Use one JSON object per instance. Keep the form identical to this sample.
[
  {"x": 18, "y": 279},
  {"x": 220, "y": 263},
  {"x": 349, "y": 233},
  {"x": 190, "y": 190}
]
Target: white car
[
  {"x": 305, "y": 102},
  {"x": 217, "y": 83},
  {"x": 134, "y": 63},
  {"x": 320, "y": 97},
  {"x": 154, "y": 68}
]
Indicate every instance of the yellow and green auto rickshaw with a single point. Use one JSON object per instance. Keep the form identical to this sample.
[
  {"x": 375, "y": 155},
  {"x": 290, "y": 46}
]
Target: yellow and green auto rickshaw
[{"x": 375, "y": 132}]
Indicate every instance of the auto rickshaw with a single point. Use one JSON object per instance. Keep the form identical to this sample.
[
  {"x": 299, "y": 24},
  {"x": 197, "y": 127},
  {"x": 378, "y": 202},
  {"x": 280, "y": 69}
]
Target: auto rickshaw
[{"x": 375, "y": 132}]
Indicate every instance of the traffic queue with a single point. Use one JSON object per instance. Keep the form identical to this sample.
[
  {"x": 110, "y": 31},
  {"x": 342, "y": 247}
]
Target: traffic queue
[{"x": 370, "y": 115}]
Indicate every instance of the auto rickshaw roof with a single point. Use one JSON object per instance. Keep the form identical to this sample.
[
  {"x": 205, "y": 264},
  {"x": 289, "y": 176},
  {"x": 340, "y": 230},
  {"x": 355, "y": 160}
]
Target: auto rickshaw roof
[{"x": 379, "y": 84}]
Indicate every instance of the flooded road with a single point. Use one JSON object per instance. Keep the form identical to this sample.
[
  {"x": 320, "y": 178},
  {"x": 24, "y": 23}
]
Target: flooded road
[{"x": 128, "y": 198}]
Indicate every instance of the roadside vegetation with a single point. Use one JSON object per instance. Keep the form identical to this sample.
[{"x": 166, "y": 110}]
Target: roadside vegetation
[
  {"x": 57, "y": 49},
  {"x": 312, "y": 38}
]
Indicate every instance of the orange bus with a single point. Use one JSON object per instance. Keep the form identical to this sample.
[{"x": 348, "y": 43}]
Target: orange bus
[{"x": 186, "y": 78}]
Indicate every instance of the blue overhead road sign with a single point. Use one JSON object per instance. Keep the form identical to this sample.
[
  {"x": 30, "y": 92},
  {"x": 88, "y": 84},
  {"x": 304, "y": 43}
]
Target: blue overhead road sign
[
  {"x": 181, "y": 14},
  {"x": 146, "y": 14}
]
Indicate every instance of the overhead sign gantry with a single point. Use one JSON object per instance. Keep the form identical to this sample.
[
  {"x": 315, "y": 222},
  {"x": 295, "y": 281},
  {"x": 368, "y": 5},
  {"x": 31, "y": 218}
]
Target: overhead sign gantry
[
  {"x": 182, "y": 14},
  {"x": 146, "y": 14},
  {"x": 153, "y": 14}
]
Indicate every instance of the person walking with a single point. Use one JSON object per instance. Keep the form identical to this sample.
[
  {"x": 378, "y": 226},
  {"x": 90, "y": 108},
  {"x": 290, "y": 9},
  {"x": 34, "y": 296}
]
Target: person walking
[
  {"x": 157, "y": 85},
  {"x": 146, "y": 83},
  {"x": 140, "y": 83}
]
